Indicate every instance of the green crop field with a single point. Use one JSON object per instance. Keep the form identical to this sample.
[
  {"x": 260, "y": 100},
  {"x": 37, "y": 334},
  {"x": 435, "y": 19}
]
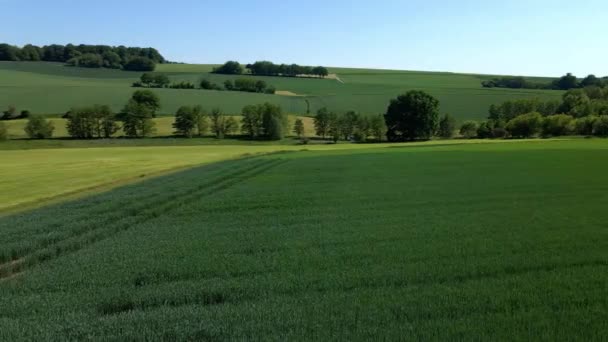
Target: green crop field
[
  {"x": 488, "y": 241},
  {"x": 51, "y": 88}
]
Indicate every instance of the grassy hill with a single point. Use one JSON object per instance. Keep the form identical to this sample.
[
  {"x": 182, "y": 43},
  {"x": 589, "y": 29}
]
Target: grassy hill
[
  {"x": 51, "y": 88},
  {"x": 491, "y": 242}
]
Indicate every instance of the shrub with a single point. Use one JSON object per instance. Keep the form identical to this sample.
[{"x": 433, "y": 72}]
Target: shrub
[
  {"x": 140, "y": 64},
  {"x": 24, "y": 114},
  {"x": 584, "y": 125},
  {"x": 484, "y": 131},
  {"x": 469, "y": 129},
  {"x": 525, "y": 126},
  {"x": 557, "y": 125},
  {"x": 600, "y": 127},
  {"x": 39, "y": 128}
]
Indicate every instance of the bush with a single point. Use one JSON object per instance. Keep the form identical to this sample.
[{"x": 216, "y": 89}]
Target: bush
[
  {"x": 484, "y": 131},
  {"x": 525, "y": 126},
  {"x": 557, "y": 125},
  {"x": 25, "y": 114},
  {"x": 3, "y": 132},
  {"x": 584, "y": 125},
  {"x": 600, "y": 127},
  {"x": 39, "y": 128},
  {"x": 469, "y": 129}
]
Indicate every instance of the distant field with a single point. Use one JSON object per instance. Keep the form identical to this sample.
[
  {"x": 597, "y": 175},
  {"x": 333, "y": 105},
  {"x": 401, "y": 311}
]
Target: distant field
[
  {"x": 473, "y": 242},
  {"x": 51, "y": 88}
]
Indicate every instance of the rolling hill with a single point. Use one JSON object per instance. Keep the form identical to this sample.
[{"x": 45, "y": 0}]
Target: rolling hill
[{"x": 52, "y": 88}]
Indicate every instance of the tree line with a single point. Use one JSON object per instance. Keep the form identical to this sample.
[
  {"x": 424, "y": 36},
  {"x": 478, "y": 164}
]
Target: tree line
[
  {"x": 266, "y": 68},
  {"x": 158, "y": 80},
  {"x": 88, "y": 56},
  {"x": 565, "y": 82}
]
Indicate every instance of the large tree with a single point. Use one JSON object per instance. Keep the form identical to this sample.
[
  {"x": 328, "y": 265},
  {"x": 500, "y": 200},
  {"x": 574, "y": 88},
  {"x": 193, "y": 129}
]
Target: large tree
[
  {"x": 322, "y": 122},
  {"x": 412, "y": 116},
  {"x": 185, "y": 121},
  {"x": 147, "y": 98},
  {"x": 38, "y": 127}
]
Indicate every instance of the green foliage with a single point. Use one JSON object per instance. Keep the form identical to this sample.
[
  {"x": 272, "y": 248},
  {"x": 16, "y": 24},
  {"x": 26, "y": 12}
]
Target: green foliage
[
  {"x": 140, "y": 64},
  {"x": 155, "y": 80},
  {"x": 298, "y": 128},
  {"x": 566, "y": 82},
  {"x": 377, "y": 127},
  {"x": 39, "y": 128},
  {"x": 229, "y": 68},
  {"x": 91, "y": 122},
  {"x": 584, "y": 125},
  {"x": 468, "y": 129},
  {"x": 222, "y": 125},
  {"x": 147, "y": 98},
  {"x": 264, "y": 121},
  {"x": 322, "y": 122},
  {"x": 525, "y": 126},
  {"x": 137, "y": 119},
  {"x": 185, "y": 121},
  {"x": 514, "y": 108},
  {"x": 347, "y": 123},
  {"x": 600, "y": 126},
  {"x": 447, "y": 126},
  {"x": 88, "y": 60},
  {"x": 266, "y": 68},
  {"x": 414, "y": 115},
  {"x": 182, "y": 85},
  {"x": 557, "y": 125}
]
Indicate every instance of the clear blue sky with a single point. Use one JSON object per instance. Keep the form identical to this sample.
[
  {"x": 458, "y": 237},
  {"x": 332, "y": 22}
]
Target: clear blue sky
[{"x": 533, "y": 37}]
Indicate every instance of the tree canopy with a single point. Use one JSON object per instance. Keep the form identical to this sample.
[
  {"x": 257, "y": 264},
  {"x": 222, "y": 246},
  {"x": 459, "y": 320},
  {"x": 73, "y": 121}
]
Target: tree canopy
[{"x": 412, "y": 116}]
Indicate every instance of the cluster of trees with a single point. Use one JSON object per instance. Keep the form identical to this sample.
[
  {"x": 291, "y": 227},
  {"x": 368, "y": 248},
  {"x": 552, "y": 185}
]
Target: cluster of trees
[
  {"x": 190, "y": 121},
  {"x": 266, "y": 68},
  {"x": 249, "y": 85},
  {"x": 264, "y": 121},
  {"x": 11, "y": 113},
  {"x": 565, "y": 82},
  {"x": 90, "y": 56},
  {"x": 347, "y": 126}
]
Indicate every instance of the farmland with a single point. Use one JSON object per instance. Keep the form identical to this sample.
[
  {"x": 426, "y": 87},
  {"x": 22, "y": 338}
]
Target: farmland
[
  {"x": 51, "y": 88},
  {"x": 501, "y": 241}
]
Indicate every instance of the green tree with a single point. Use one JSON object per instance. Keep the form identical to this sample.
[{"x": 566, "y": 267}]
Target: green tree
[
  {"x": 412, "y": 116},
  {"x": 584, "y": 125},
  {"x": 137, "y": 120},
  {"x": 566, "y": 82},
  {"x": 185, "y": 121},
  {"x": 38, "y": 127},
  {"x": 147, "y": 79},
  {"x": 91, "y": 122},
  {"x": 147, "y": 98},
  {"x": 298, "y": 128},
  {"x": 557, "y": 125},
  {"x": 322, "y": 122},
  {"x": 252, "y": 121},
  {"x": 222, "y": 125},
  {"x": 600, "y": 127},
  {"x": 469, "y": 129},
  {"x": 200, "y": 116},
  {"x": 229, "y": 68},
  {"x": 525, "y": 126},
  {"x": 591, "y": 80},
  {"x": 377, "y": 127},
  {"x": 447, "y": 126},
  {"x": 348, "y": 124},
  {"x": 576, "y": 103}
]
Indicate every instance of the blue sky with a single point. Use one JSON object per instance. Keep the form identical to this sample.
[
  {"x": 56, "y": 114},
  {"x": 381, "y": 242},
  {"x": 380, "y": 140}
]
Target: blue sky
[{"x": 534, "y": 37}]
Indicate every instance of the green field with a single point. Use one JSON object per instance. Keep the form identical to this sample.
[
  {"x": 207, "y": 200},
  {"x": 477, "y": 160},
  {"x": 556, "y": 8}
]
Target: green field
[
  {"x": 50, "y": 88},
  {"x": 491, "y": 241}
]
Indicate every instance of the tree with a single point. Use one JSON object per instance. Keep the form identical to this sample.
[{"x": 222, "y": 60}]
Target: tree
[
  {"x": 334, "y": 126},
  {"x": 39, "y": 128},
  {"x": 221, "y": 125},
  {"x": 322, "y": 122},
  {"x": 88, "y": 60},
  {"x": 557, "y": 125},
  {"x": 137, "y": 120},
  {"x": 148, "y": 99},
  {"x": 298, "y": 128},
  {"x": 377, "y": 127},
  {"x": 447, "y": 126},
  {"x": 600, "y": 127},
  {"x": 8, "y": 53},
  {"x": 584, "y": 125},
  {"x": 229, "y": 68},
  {"x": 260, "y": 86},
  {"x": 469, "y": 129},
  {"x": 140, "y": 64},
  {"x": 185, "y": 121},
  {"x": 147, "y": 79},
  {"x": 10, "y": 113},
  {"x": 412, "y": 116},
  {"x": 566, "y": 82},
  {"x": 320, "y": 71},
  {"x": 200, "y": 117},
  {"x": 363, "y": 130},
  {"x": 3, "y": 132},
  {"x": 591, "y": 80},
  {"x": 252, "y": 121},
  {"x": 347, "y": 124},
  {"x": 525, "y": 126},
  {"x": 576, "y": 103},
  {"x": 227, "y": 84}
]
